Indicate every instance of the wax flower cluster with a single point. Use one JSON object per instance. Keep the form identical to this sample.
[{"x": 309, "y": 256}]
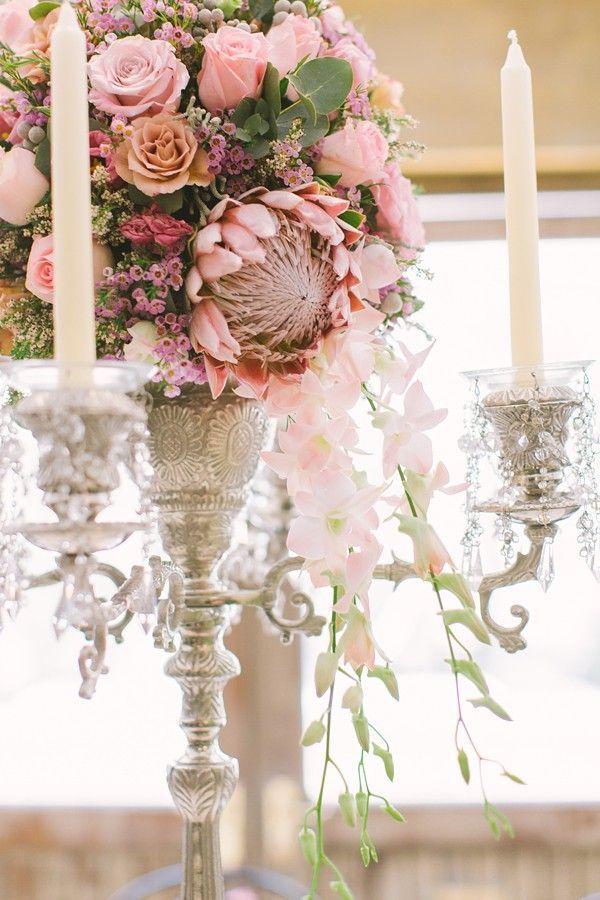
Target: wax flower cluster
[{"x": 252, "y": 226}]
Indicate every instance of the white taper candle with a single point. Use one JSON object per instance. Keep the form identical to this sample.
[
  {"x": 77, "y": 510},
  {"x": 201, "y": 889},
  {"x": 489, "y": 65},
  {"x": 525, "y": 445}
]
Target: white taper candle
[
  {"x": 522, "y": 229},
  {"x": 74, "y": 323}
]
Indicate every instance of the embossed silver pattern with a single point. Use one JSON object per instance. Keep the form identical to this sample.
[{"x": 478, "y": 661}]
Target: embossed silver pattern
[{"x": 205, "y": 453}]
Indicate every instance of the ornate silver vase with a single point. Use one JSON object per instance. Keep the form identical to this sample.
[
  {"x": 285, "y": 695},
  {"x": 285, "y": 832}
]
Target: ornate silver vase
[{"x": 205, "y": 453}]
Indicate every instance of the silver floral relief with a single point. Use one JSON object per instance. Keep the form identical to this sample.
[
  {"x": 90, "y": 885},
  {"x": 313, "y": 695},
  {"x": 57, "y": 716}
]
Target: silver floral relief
[{"x": 205, "y": 453}]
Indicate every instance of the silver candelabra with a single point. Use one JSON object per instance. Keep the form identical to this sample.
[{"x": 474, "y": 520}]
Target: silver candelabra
[{"x": 193, "y": 460}]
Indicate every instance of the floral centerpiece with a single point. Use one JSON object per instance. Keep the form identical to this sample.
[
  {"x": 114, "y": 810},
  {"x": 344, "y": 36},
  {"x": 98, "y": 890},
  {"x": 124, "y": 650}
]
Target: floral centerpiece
[{"x": 252, "y": 224}]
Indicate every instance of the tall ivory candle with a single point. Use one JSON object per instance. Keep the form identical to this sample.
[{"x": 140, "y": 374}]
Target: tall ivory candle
[
  {"x": 74, "y": 325},
  {"x": 520, "y": 186}
]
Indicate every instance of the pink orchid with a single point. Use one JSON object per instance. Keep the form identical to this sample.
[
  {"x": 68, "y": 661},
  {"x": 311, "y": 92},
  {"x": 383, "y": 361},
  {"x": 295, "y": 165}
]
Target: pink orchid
[
  {"x": 430, "y": 555},
  {"x": 397, "y": 372},
  {"x": 307, "y": 449},
  {"x": 357, "y": 641},
  {"x": 334, "y": 516},
  {"x": 379, "y": 269},
  {"x": 404, "y": 442},
  {"x": 421, "y": 488},
  {"x": 303, "y": 396},
  {"x": 358, "y": 577}
]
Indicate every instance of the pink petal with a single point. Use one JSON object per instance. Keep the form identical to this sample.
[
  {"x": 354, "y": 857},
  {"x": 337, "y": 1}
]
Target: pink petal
[
  {"x": 217, "y": 376},
  {"x": 239, "y": 240},
  {"x": 207, "y": 237},
  {"x": 306, "y": 537},
  {"x": 281, "y": 200},
  {"x": 218, "y": 263},
  {"x": 378, "y": 266},
  {"x": 253, "y": 216}
]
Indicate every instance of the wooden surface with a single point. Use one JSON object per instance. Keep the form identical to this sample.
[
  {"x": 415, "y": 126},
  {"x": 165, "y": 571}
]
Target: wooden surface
[{"x": 440, "y": 854}]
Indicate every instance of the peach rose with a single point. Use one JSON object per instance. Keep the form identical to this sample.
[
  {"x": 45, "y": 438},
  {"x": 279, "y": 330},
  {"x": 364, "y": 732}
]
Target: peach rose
[
  {"x": 40, "y": 45},
  {"x": 361, "y": 64},
  {"x": 161, "y": 156},
  {"x": 16, "y": 25},
  {"x": 39, "y": 278},
  {"x": 137, "y": 76},
  {"x": 22, "y": 186},
  {"x": 387, "y": 95},
  {"x": 398, "y": 216},
  {"x": 357, "y": 152},
  {"x": 294, "y": 39},
  {"x": 233, "y": 67}
]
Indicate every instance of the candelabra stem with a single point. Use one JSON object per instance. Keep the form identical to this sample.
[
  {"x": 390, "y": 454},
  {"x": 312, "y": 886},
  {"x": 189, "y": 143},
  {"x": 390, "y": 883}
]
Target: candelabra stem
[{"x": 204, "y": 778}]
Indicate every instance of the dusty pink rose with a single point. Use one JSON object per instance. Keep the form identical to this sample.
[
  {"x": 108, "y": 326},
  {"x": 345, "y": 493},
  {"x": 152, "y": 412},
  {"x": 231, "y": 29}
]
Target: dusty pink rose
[
  {"x": 161, "y": 156},
  {"x": 361, "y": 64},
  {"x": 155, "y": 227},
  {"x": 16, "y": 25},
  {"x": 8, "y": 116},
  {"x": 294, "y": 39},
  {"x": 137, "y": 76},
  {"x": 39, "y": 45},
  {"x": 398, "y": 215},
  {"x": 39, "y": 278},
  {"x": 387, "y": 95},
  {"x": 357, "y": 152},
  {"x": 22, "y": 186},
  {"x": 233, "y": 67}
]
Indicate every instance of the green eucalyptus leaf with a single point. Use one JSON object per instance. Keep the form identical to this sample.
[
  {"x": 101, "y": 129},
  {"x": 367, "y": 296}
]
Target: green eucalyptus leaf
[
  {"x": 42, "y": 157},
  {"x": 259, "y": 147},
  {"x": 488, "y": 703},
  {"x": 229, "y": 7},
  {"x": 457, "y": 585},
  {"x": 271, "y": 89},
  {"x": 308, "y": 845},
  {"x": 361, "y": 727},
  {"x": 314, "y": 734},
  {"x": 255, "y": 124},
  {"x": 40, "y": 10},
  {"x": 384, "y": 674},
  {"x": 243, "y": 135},
  {"x": 330, "y": 180},
  {"x": 170, "y": 203},
  {"x": 243, "y": 111},
  {"x": 324, "y": 83},
  {"x": 137, "y": 196},
  {"x": 468, "y": 618},
  {"x": 470, "y": 670},
  {"x": 312, "y": 131},
  {"x": 348, "y": 809},
  {"x": 387, "y": 759},
  {"x": 463, "y": 764}
]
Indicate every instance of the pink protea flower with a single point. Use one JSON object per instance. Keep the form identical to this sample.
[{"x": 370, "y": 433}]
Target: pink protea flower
[{"x": 276, "y": 264}]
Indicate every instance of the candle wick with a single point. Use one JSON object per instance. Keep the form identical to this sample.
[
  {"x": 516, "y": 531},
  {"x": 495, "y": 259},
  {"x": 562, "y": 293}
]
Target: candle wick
[{"x": 512, "y": 36}]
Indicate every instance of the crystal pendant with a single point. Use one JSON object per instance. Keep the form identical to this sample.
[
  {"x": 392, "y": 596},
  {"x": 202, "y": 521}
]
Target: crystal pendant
[
  {"x": 594, "y": 562},
  {"x": 545, "y": 570},
  {"x": 472, "y": 568}
]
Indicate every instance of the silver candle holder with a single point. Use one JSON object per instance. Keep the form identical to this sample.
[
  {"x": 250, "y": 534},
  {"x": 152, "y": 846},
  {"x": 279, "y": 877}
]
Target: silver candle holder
[
  {"x": 536, "y": 426},
  {"x": 88, "y": 429}
]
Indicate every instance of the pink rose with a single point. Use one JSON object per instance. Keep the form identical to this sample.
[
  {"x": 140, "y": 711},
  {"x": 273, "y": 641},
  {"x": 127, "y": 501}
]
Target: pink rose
[
  {"x": 357, "y": 152},
  {"x": 362, "y": 65},
  {"x": 39, "y": 278},
  {"x": 387, "y": 95},
  {"x": 161, "y": 156},
  {"x": 398, "y": 215},
  {"x": 8, "y": 116},
  {"x": 16, "y": 25},
  {"x": 22, "y": 186},
  {"x": 233, "y": 67},
  {"x": 137, "y": 76},
  {"x": 155, "y": 227},
  {"x": 294, "y": 39},
  {"x": 39, "y": 45}
]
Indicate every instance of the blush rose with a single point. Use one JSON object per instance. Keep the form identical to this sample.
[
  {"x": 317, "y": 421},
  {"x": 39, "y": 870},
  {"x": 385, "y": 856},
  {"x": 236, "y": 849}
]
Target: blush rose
[
  {"x": 233, "y": 67},
  {"x": 39, "y": 278},
  {"x": 137, "y": 76},
  {"x": 398, "y": 216},
  {"x": 294, "y": 39},
  {"x": 361, "y": 65},
  {"x": 16, "y": 25},
  {"x": 357, "y": 152},
  {"x": 22, "y": 185}
]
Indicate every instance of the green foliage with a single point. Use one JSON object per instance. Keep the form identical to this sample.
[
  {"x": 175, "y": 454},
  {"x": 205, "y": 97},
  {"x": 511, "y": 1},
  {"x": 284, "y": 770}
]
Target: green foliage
[
  {"x": 361, "y": 727},
  {"x": 313, "y": 129},
  {"x": 457, "y": 585},
  {"x": 463, "y": 764},
  {"x": 314, "y": 734},
  {"x": 497, "y": 821},
  {"x": 385, "y": 674},
  {"x": 387, "y": 759},
  {"x": 308, "y": 845},
  {"x": 170, "y": 203},
  {"x": 42, "y": 9},
  {"x": 262, "y": 9},
  {"x": 42, "y": 157},
  {"x": 323, "y": 84},
  {"x": 347, "y": 808},
  {"x": 488, "y": 703},
  {"x": 470, "y": 670},
  {"x": 469, "y": 619}
]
